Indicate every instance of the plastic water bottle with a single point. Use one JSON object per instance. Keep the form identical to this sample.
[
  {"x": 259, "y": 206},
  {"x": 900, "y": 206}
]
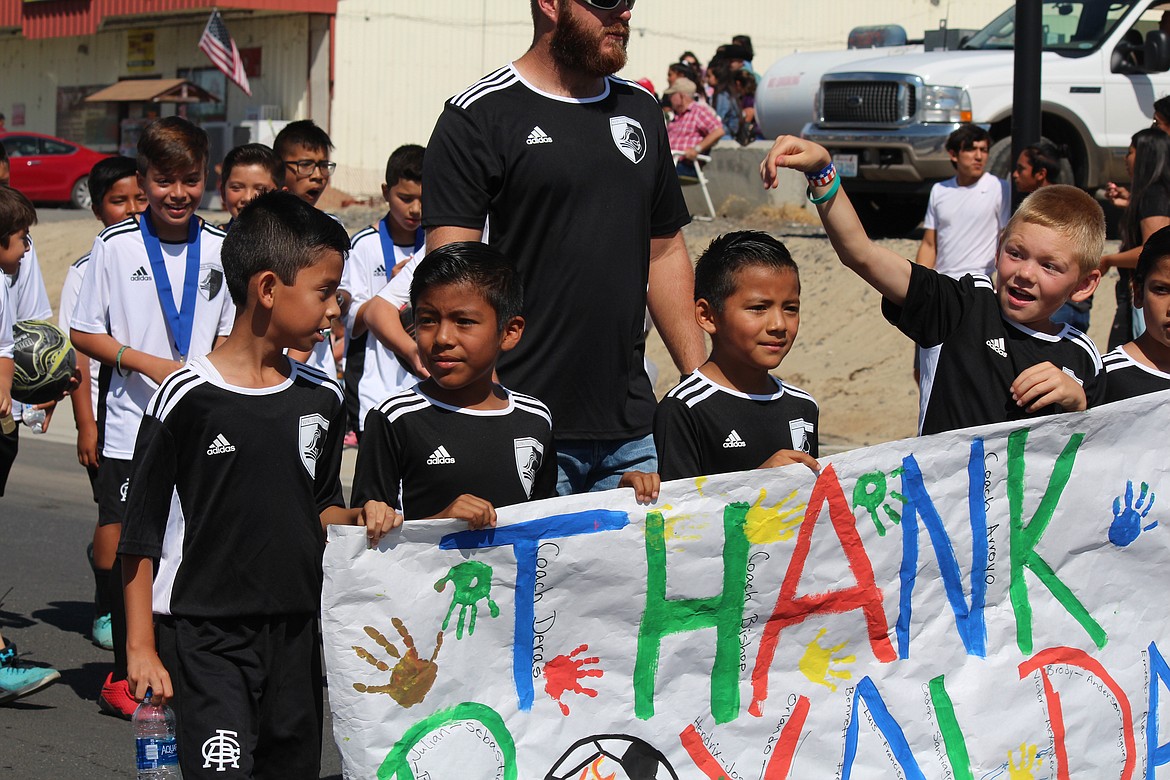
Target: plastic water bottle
[
  {"x": 157, "y": 756},
  {"x": 34, "y": 419}
]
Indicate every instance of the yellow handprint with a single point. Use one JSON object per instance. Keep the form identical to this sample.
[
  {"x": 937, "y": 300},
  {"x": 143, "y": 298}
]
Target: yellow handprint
[
  {"x": 765, "y": 525},
  {"x": 1029, "y": 761},
  {"x": 817, "y": 662}
]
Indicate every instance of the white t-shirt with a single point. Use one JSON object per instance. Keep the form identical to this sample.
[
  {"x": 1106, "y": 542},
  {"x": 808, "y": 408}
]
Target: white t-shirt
[
  {"x": 69, "y": 293},
  {"x": 28, "y": 299},
  {"x": 5, "y": 322},
  {"x": 968, "y": 221},
  {"x": 118, "y": 297},
  {"x": 365, "y": 277}
]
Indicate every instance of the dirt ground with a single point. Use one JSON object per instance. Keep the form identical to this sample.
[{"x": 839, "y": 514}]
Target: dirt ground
[{"x": 856, "y": 365}]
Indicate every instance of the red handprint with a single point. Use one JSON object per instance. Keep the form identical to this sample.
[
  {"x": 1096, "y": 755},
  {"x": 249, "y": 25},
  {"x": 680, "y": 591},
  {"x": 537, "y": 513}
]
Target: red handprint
[{"x": 564, "y": 674}]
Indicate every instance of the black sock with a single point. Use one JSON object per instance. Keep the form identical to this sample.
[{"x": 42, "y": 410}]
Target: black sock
[
  {"x": 102, "y": 583},
  {"x": 118, "y": 619}
]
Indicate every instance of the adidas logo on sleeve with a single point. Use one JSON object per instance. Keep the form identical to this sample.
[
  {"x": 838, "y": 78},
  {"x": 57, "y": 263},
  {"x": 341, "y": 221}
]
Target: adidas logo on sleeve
[
  {"x": 538, "y": 136},
  {"x": 220, "y": 446},
  {"x": 440, "y": 457},
  {"x": 733, "y": 440},
  {"x": 141, "y": 275}
]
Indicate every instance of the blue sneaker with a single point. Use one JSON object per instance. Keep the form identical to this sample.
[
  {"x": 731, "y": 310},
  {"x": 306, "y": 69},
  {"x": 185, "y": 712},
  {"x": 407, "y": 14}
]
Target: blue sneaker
[
  {"x": 103, "y": 632},
  {"x": 20, "y": 678}
]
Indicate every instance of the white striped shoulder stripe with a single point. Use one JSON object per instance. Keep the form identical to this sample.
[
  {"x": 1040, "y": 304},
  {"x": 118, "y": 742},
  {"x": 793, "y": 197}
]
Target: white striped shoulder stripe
[
  {"x": 979, "y": 280},
  {"x": 1085, "y": 343},
  {"x": 1116, "y": 359},
  {"x": 686, "y": 385},
  {"x": 172, "y": 390},
  {"x": 320, "y": 377},
  {"x": 365, "y": 232},
  {"x": 81, "y": 260},
  {"x": 397, "y": 405},
  {"x": 694, "y": 390},
  {"x": 128, "y": 225},
  {"x": 213, "y": 230},
  {"x": 493, "y": 82},
  {"x": 799, "y": 393},
  {"x": 532, "y": 405}
]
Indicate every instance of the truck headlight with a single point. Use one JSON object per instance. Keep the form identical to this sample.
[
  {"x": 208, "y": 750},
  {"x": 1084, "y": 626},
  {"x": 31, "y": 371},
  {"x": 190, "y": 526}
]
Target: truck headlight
[{"x": 950, "y": 105}]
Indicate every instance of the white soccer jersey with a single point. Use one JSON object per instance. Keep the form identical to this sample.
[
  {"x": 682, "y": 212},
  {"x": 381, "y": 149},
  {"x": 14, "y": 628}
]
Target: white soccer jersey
[
  {"x": 365, "y": 277},
  {"x": 5, "y": 322},
  {"x": 28, "y": 299},
  {"x": 69, "y": 292},
  {"x": 118, "y": 296}
]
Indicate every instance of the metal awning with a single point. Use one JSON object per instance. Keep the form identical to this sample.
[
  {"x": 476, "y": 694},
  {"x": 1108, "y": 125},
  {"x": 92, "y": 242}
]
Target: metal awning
[{"x": 153, "y": 91}]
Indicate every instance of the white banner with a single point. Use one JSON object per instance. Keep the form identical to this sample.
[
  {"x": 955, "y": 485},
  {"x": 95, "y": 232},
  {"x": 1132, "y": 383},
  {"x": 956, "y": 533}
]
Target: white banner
[{"x": 986, "y": 603}]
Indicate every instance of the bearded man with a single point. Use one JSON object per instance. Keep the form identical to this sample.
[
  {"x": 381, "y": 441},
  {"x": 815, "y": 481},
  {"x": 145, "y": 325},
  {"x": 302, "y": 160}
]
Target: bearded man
[{"x": 570, "y": 167}]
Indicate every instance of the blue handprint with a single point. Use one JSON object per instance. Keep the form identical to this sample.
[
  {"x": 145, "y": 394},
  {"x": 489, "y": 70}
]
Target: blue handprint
[{"x": 1127, "y": 522}]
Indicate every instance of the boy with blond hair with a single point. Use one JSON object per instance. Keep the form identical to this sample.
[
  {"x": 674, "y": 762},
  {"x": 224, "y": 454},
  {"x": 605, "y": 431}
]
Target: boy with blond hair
[{"x": 1002, "y": 357}]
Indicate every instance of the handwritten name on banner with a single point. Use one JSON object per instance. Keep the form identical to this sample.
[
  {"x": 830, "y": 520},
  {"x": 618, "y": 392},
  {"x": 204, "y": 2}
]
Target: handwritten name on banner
[{"x": 988, "y": 603}]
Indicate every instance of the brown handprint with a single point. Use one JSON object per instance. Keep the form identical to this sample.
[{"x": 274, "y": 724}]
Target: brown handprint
[
  {"x": 411, "y": 678},
  {"x": 564, "y": 673}
]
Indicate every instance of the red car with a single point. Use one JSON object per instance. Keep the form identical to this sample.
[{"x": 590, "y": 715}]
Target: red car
[{"x": 49, "y": 169}]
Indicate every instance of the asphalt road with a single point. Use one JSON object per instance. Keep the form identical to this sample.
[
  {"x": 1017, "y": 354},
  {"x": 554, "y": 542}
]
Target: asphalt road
[{"x": 46, "y": 521}]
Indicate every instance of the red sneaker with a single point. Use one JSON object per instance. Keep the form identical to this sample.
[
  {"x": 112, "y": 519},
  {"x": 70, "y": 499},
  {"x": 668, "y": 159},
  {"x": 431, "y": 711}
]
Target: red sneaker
[{"x": 115, "y": 698}]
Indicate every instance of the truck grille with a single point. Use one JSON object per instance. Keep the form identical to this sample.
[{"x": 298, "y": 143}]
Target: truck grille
[{"x": 868, "y": 102}]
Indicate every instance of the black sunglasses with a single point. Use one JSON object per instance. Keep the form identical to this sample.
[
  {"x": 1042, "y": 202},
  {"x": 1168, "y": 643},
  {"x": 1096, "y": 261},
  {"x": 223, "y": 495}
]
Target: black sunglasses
[{"x": 609, "y": 5}]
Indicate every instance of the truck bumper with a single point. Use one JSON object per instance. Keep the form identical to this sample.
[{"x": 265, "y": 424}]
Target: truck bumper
[{"x": 908, "y": 158}]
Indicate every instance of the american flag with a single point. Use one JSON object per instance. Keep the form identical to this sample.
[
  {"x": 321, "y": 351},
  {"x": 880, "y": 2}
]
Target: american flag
[{"x": 218, "y": 45}]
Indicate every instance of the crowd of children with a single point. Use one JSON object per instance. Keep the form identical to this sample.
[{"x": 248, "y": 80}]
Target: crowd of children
[{"x": 211, "y": 371}]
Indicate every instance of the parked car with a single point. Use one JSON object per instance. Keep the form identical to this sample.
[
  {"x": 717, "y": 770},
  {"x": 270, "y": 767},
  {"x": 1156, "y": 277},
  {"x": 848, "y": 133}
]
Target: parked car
[{"x": 48, "y": 169}]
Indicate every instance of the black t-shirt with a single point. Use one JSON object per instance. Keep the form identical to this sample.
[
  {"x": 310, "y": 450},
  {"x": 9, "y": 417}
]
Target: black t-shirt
[
  {"x": 573, "y": 191},
  {"x": 982, "y": 352},
  {"x": 1126, "y": 378},
  {"x": 228, "y": 487},
  {"x": 704, "y": 428},
  {"x": 435, "y": 452}
]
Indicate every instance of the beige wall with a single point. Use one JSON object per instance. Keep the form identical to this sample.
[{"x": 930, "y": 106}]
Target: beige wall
[{"x": 397, "y": 62}]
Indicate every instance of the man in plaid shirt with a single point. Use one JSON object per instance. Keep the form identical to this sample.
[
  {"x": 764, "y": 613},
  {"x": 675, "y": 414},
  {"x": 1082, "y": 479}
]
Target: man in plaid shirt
[{"x": 695, "y": 127}]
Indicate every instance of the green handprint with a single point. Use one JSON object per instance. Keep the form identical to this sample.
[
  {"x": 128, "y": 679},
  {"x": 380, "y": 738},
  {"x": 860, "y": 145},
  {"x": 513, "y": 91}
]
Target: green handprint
[{"x": 472, "y": 581}]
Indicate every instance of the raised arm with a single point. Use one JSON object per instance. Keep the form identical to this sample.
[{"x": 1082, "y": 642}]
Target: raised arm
[{"x": 885, "y": 271}]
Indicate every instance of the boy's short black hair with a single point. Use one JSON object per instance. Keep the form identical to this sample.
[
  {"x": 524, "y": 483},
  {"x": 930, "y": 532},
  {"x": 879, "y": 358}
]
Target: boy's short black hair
[
  {"x": 1045, "y": 156},
  {"x": 172, "y": 145},
  {"x": 106, "y": 173},
  {"x": 16, "y": 213},
  {"x": 405, "y": 162},
  {"x": 965, "y": 137},
  {"x": 475, "y": 264},
  {"x": 729, "y": 254},
  {"x": 303, "y": 132},
  {"x": 281, "y": 233},
  {"x": 252, "y": 154},
  {"x": 1157, "y": 248}
]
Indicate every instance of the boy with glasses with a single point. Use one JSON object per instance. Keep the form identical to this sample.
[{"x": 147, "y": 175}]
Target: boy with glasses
[{"x": 305, "y": 149}]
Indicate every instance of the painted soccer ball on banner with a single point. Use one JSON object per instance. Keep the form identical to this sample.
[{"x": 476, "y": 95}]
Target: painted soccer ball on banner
[
  {"x": 615, "y": 756},
  {"x": 45, "y": 362}
]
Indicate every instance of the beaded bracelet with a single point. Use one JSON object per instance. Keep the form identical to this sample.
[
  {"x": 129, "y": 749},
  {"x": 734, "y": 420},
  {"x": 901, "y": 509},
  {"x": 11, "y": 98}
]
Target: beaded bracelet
[
  {"x": 118, "y": 360},
  {"x": 822, "y": 177},
  {"x": 836, "y": 185}
]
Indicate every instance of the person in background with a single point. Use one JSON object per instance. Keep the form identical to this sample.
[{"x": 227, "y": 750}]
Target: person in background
[
  {"x": 724, "y": 98},
  {"x": 694, "y": 128},
  {"x": 248, "y": 172},
  {"x": 1147, "y": 211}
]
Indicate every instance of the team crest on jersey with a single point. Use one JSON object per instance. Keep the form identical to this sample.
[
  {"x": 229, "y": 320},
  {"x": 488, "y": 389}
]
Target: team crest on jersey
[
  {"x": 210, "y": 281},
  {"x": 529, "y": 455},
  {"x": 312, "y": 440},
  {"x": 629, "y": 137},
  {"x": 799, "y": 430}
]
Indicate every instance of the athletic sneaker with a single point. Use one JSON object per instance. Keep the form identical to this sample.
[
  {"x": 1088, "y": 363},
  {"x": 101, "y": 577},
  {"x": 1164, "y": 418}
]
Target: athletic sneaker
[
  {"x": 103, "y": 632},
  {"x": 19, "y": 678},
  {"x": 115, "y": 698}
]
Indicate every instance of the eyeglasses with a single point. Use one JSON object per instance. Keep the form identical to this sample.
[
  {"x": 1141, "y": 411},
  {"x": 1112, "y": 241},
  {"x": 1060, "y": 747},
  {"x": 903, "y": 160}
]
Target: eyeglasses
[
  {"x": 306, "y": 167},
  {"x": 609, "y": 5}
]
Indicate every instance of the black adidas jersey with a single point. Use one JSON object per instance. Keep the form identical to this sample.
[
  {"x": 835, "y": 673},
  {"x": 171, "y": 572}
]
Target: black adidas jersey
[
  {"x": 436, "y": 452},
  {"x": 1126, "y": 378},
  {"x": 704, "y": 428},
  {"x": 227, "y": 490},
  {"x": 981, "y": 352},
  {"x": 574, "y": 190}
]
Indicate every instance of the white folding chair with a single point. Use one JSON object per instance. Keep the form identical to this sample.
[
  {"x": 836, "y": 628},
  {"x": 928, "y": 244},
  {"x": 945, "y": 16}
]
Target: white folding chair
[{"x": 700, "y": 161}]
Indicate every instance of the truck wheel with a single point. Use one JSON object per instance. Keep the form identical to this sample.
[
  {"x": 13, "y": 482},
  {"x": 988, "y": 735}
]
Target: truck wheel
[
  {"x": 1001, "y": 163},
  {"x": 79, "y": 194},
  {"x": 889, "y": 216}
]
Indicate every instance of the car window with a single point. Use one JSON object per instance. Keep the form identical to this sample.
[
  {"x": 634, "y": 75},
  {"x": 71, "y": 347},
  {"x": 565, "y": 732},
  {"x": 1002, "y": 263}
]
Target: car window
[
  {"x": 49, "y": 146},
  {"x": 20, "y": 146}
]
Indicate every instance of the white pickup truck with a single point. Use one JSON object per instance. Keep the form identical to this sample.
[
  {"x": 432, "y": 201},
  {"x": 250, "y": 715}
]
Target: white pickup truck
[{"x": 885, "y": 120}]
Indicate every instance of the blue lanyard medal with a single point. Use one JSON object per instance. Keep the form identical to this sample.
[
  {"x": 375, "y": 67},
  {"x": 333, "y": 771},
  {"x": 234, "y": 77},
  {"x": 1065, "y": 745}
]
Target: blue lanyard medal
[
  {"x": 420, "y": 237},
  {"x": 180, "y": 321}
]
